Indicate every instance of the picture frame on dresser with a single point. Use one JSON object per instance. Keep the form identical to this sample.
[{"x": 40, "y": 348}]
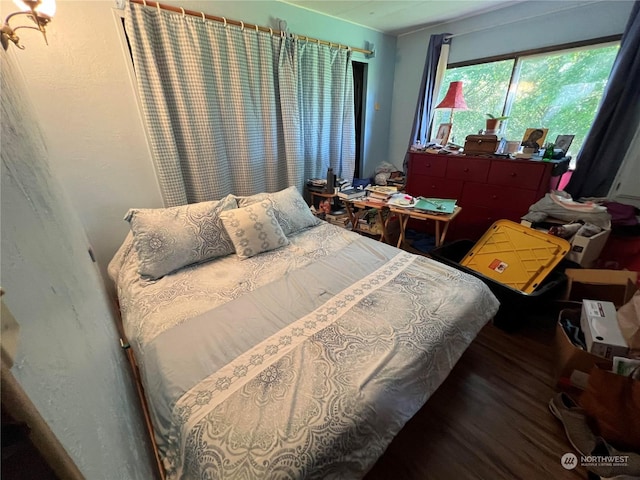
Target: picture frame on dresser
[
  {"x": 563, "y": 142},
  {"x": 442, "y": 135},
  {"x": 534, "y": 138}
]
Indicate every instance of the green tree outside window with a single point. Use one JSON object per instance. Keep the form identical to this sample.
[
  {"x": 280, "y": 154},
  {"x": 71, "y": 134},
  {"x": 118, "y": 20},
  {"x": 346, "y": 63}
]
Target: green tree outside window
[{"x": 560, "y": 91}]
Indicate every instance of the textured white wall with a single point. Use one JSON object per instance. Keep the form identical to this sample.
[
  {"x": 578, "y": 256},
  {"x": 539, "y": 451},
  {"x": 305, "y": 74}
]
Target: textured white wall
[
  {"x": 80, "y": 88},
  {"x": 571, "y": 22},
  {"x": 86, "y": 103},
  {"x": 69, "y": 360}
]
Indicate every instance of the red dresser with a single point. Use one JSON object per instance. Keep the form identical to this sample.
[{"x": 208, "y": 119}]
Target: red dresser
[{"x": 487, "y": 189}]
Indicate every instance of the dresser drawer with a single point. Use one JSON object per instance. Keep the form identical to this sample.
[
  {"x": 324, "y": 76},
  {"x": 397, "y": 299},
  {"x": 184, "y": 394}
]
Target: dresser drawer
[
  {"x": 438, "y": 187},
  {"x": 467, "y": 169},
  {"x": 426, "y": 164},
  {"x": 505, "y": 199},
  {"x": 517, "y": 174}
]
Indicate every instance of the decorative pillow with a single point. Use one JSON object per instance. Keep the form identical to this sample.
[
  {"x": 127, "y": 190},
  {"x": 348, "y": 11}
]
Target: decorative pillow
[
  {"x": 292, "y": 212},
  {"x": 170, "y": 238},
  {"x": 254, "y": 229}
]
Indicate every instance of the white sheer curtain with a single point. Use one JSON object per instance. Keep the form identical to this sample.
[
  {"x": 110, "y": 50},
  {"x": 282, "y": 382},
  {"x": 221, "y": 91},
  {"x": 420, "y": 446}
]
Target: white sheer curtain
[
  {"x": 435, "y": 67},
  {"x": 233, "y": 111}
]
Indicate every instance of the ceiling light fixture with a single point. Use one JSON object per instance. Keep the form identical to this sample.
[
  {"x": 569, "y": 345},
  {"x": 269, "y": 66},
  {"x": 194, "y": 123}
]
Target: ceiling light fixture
[{"x": 40, "y": 11}]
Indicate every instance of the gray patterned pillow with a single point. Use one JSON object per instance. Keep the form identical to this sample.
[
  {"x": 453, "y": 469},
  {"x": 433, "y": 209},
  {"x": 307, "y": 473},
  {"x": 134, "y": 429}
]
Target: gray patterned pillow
[
  {"x": 292, "y": 212},
  {"x": 170, "y": 238},
  {"x": 254, "y": 229}
]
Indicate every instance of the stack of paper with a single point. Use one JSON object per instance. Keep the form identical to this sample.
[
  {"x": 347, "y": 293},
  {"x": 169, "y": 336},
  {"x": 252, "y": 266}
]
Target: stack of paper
[{"x": 401, "y": 200}]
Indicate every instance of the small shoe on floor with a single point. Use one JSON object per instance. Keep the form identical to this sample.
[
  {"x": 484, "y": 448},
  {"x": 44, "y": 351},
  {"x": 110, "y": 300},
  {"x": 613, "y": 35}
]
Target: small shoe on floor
[{"x": 574, "y": 419}]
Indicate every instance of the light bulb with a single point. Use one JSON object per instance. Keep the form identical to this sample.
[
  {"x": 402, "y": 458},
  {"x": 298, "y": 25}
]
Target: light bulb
[{"x": 46, "y": 8}]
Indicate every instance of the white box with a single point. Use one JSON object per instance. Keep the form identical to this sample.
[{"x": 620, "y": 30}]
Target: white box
[
  {"x": 599, "y": 323},
  {"x": 586, "y": 250}
]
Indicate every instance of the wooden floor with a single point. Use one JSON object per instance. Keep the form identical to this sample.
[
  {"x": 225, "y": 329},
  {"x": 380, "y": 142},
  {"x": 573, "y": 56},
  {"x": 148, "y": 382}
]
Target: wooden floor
[{"x": 490, "y": 418}]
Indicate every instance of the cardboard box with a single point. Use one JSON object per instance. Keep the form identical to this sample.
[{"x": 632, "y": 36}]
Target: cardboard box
[
  {"x": 569, "y": 358},
  {"x": 586, "y": 250},
  {"x": 616, "y": 286},
  {"x": 599, "y": 324}
]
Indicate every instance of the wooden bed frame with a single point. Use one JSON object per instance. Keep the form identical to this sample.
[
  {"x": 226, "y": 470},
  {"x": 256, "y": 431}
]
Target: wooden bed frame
[{"x": 126, "y": 347}]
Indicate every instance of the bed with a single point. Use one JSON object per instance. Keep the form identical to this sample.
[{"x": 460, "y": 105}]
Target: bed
[{"x": 294, "y": 354}]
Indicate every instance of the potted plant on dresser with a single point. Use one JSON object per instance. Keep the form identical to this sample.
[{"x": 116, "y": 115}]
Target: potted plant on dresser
[{"x": 493, "y": 124}]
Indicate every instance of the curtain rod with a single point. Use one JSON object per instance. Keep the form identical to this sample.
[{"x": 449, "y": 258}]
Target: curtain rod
[{"x": 244, "y": 25}]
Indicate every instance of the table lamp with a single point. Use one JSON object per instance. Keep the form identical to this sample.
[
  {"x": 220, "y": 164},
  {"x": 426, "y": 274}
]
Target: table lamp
[{"x": 453, "y": 100}]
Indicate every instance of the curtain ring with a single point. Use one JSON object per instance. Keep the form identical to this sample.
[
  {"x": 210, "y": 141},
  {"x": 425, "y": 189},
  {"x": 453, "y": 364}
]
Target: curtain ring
[
  {"x": 203, "y": 19},
  {"x": 225, "y": 22},
  {"x": 271, "y": 31},
  {"x": 256, "y": 28},
  {"x": 182, "y": 10},
  {"x": 158, "y": 5},
  {"x": 144, "y": 2},
  {"x": 241, "y": 25}
]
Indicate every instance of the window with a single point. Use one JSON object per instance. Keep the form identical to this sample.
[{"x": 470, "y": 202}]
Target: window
[{"x": 558, "y": 90}]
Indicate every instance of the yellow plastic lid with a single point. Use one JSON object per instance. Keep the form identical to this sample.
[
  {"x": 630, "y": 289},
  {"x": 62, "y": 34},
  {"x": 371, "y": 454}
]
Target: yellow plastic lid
[{"x": 515, "y": 255}]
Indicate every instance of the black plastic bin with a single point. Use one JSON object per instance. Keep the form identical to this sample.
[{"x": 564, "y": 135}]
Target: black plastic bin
[{"x": 513, "y": 303}]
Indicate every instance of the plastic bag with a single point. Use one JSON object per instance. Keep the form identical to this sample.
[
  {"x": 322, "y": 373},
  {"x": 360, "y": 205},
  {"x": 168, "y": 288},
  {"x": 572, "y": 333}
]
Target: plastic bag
[
  {"x": 386, "y": 167},
  {"x": 383, "y": 173}
]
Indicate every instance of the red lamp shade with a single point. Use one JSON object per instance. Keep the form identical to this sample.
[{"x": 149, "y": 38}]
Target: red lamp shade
[{"x": 454, "y": 99}]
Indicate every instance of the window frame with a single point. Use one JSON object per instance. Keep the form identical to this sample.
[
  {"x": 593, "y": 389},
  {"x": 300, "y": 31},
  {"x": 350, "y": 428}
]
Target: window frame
[
  {"x": 537, "y": 51},
  {"x": 517, "y": 58}
]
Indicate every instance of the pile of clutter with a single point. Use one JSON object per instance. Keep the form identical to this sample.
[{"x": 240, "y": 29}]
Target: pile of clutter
[
  {"x": 559, "y": 205},
  {"x": 586, "y": 225},
  {"x": 578, "y": 228},
  {"x": 387, "y": 174},
  {"x": 598, "y": 371}
]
